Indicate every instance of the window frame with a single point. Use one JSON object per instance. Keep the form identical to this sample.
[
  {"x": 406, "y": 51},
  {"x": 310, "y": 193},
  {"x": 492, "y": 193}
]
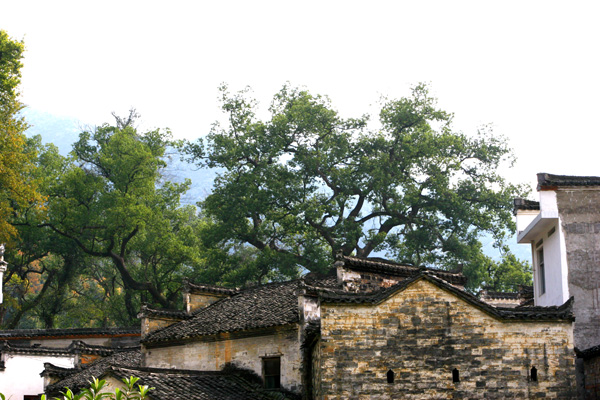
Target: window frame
[{"x": 270, "y": 379}]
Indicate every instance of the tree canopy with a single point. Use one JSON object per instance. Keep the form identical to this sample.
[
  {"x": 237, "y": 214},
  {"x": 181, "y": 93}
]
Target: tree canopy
[
  {"x": 306, "y": 183},
  {"x": 18, "y": 190},
  {"x": 114, "y": 233}
]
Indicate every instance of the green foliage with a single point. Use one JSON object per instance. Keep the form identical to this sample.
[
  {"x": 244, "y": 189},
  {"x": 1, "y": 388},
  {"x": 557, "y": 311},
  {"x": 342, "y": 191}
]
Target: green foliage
[
  {"x": 18, "y": 189},
  {"x": 114, "y": 234},
  {"x": 95, "y": 391},
  {"x": 306, "y": 184},
  {"x": 509, "y": 274}
]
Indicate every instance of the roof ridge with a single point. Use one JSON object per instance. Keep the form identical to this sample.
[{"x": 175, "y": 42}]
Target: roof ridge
[{"x": 554, "y": 312}]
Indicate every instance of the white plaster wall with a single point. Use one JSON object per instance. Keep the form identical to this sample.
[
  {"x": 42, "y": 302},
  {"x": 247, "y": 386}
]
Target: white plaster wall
[
  {"x": 243, "y": 352},
  {"x": 22, "y": 374},
  {"x": 524, "y": 218},
  {"x": 555, "y": 266},
  {"x": 548, "y": 200}
]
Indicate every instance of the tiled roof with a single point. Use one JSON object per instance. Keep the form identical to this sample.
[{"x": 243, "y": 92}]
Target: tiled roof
[
  {"x": 563, "y": 312},
  {"x": 501, "y": 295},
  {"x": 547, "y": 181},
  {"x": 524, "y": 204},
  {"x": 273, "y": 304},
  {"x": 196, "y": 385},
  {"x": 189, "y": 287},
  {"x": 169, "y": 384},
  {"x": 147, "y": 311},
  {"x": 14, "y": 334},
  {"x": 379, "y": 265},
  {"x": 60, "y": 372},
  {"x": 76, "y": 347},
  {"x": 79, "y": 378},
  {"x": 7, "y": 347}
]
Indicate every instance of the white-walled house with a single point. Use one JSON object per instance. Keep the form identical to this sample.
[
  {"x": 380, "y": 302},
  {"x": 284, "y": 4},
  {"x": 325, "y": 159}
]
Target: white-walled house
[
  {"x": 538, "y": 224},
  {"x": 23, "y": 353},
  {"x": 20, "y": 369}
]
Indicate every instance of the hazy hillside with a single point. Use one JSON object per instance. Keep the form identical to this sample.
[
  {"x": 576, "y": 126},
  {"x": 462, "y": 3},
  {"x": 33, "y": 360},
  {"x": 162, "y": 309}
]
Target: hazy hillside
[{"x": 63, "y": 132}]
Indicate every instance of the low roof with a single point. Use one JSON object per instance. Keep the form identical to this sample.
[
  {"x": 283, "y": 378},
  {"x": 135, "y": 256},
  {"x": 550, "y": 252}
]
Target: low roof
[
  {"x": 378, "y": 265},
  {"x": 19, "y": 334},
  {"x": 563, "y": 312},
  {"x": 172, "y": 384},
  {"x": 80, "y": 378},
  {"x": 189, "y": 287},
  {"x": 526, "y": 205},
  {"x": 273, "y": 304},
  {"x": 549, "y": 181},
  {"x": 168, "y": 384},
  {"x": 147, "y": 311}
]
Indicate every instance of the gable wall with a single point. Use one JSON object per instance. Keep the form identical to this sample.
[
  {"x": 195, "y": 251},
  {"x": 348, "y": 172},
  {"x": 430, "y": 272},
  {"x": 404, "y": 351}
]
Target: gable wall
[
  {"x": 580, "y": 217},
  {"x": 244, "y": 352},
  {"x": 422, "y": 333},
  {"x": 196, "y": 301}
]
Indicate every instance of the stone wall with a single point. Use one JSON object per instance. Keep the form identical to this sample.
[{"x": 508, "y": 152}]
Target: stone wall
[
  {"x": 211, "y": 353},
  {"x": 196, "y": 301},
  {"x": 592, "y": 378},
  {"x": 151, "y": 323},
  {"x": 422, "y": 334},
  {"x": 579, "y": 212},
  {"x": 362, "y": 281}
]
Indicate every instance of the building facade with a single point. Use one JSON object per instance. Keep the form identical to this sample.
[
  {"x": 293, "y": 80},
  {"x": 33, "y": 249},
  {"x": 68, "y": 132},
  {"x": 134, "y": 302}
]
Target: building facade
[
  {"x": 563, "y": 230},
  {"x": 372, "y": 329}
]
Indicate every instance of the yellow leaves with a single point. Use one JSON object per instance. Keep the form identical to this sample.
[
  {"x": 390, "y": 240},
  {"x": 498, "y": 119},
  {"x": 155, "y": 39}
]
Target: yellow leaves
[{"x": 18, "y": 188}]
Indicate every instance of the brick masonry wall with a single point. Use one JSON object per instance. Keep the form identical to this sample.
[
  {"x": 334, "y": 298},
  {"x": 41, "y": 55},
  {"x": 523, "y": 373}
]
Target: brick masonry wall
[
  {"x": 149, "y": 324},
  {"x": 244, "y": 352},
  {"x": 579, "y": 212},
  {"x": 422, "y": 333},
  {"x": 193, "y": 301},
  {"x": 361, "y": 281}
]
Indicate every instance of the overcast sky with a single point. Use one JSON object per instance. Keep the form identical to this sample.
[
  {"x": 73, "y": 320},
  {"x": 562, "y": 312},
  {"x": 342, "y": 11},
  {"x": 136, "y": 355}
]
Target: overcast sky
[{"x": 530, "y": 68}]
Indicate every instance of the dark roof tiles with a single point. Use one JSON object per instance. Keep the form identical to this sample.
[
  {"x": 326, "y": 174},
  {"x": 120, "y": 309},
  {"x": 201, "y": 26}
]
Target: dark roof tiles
[
  {"x": 524, "y": 204},
  {"x": 379, "y": 265},
  {"x": 67, "y": 333},
  {"x": 549, "y": 181},
  {"x": 147, "y": 311},
  {"x": 262, "y": 306},
  {"x": 189, "y": 287},
  {"x": 563, "y": 312},
  {"x": 195, "y": 385},
  {"x": 80, "y": 378}
]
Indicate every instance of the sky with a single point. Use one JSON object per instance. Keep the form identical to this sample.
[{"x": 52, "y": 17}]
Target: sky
[{"x": 529, "y": 68}]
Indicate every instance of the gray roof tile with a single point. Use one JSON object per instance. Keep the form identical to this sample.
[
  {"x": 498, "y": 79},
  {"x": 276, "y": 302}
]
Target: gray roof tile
[{"x": 273, "y": 304}]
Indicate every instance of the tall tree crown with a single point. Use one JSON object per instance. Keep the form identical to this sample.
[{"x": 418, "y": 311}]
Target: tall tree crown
[{"x": 307, "y": 183}]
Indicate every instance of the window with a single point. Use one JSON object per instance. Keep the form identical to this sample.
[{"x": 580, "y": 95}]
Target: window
[
  {"x": 541, "y": 271},
  {"x": 534, "y": 376},
  {"x": 272, "y": 372},
  {"x": 390, "y": 376},
  {"x": 455, "y": 376}
]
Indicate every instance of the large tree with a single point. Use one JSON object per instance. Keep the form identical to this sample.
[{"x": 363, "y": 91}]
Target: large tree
[
  {"x": 18, "y": 190},
  {"x": 306, "y": 183},
  {"x": 111, "y": 203}
]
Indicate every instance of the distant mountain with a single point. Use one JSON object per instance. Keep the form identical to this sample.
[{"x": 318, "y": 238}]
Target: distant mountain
[{"x": 64, "y": 131}]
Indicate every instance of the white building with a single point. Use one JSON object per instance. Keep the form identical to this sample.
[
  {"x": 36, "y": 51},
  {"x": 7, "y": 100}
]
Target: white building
[{"x": 23, "y": 353}]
